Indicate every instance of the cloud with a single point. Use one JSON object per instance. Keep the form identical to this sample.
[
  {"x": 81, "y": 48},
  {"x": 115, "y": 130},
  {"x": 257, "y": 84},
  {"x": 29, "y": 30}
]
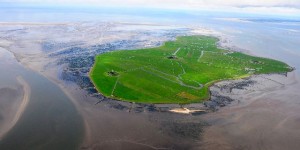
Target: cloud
[
  {"x": 279, "y": 6},
  {"x": 192, "y": 3},
  {"x": 252, "y": 3}
]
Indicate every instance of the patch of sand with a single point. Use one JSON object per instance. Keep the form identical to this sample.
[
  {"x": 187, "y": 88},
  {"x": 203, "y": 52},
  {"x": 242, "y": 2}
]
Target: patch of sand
[{"x": 185, "y": 110}]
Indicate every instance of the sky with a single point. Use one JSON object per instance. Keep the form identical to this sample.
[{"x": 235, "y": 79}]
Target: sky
[{"x": 283, "y": 7}]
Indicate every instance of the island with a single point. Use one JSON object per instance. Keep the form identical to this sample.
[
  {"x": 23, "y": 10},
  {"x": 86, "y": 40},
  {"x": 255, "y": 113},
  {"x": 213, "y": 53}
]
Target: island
[{"x": 177, "y": 72}]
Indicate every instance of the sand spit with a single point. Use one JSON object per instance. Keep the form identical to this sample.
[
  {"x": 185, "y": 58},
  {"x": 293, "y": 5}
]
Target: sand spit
[
  {"x": 26, "y": 97},
  {"x": 17, "y": 108},
  {"x": 10, "y": 98}
]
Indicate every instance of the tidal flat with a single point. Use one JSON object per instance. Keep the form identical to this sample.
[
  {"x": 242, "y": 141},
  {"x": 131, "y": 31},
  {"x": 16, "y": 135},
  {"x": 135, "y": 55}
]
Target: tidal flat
[{"x": 64, "y": 52}]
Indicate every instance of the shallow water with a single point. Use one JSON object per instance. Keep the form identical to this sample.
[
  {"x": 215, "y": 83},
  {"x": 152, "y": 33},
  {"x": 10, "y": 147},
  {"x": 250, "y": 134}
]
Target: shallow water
[{"x": 50, "y": 120}]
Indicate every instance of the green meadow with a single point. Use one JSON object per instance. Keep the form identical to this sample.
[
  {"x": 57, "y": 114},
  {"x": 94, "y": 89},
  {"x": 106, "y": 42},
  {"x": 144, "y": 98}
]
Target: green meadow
[{"x": 179, "y": 71}]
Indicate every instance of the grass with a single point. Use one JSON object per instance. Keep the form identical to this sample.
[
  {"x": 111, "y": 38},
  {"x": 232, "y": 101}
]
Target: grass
[{"x": 179, "y": 71}]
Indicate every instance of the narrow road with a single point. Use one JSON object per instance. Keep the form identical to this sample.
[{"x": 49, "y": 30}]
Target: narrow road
[
  {"x": 202, "y": 52},
  {"x": 176, "y": 51}
]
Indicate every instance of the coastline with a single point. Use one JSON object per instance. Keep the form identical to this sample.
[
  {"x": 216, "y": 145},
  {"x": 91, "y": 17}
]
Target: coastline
[
  {"x": 221, "y": 40},
  {"x": 202, "y": 31}
]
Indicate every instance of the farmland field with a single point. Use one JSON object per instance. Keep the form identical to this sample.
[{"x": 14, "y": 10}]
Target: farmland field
[{"x": 179, "y": 71}]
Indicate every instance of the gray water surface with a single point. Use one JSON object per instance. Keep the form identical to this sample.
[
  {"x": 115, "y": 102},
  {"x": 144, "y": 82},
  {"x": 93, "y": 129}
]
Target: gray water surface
[{"x": 50, "y": 120}]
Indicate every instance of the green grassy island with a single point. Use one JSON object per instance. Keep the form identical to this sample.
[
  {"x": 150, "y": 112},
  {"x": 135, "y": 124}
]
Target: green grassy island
[{"x": 179, "y": 71}]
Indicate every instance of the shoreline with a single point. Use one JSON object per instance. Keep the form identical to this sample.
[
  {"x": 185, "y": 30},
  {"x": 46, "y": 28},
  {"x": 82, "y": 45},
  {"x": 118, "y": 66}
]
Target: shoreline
[
  {"x": 204, "y": 32},
  {"x": 221, "y": 41}
]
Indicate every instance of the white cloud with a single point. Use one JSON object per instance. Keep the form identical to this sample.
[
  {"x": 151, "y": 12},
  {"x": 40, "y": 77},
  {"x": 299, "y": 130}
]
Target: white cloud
[
  {"x": 268, "y": 6},
  {"x": 267, "y": 3},
  {"x": 242, "y": 3}
]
